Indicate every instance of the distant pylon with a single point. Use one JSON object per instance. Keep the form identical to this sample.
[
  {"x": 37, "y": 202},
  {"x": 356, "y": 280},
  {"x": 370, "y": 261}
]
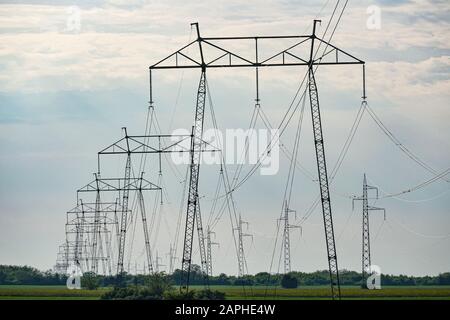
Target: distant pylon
[
  {"x": 157, "y": 264},
  {"x": 366, "y": 258},
  {"x": 241, "y": 255},
  {"x": 286, "y": 243},
  {"x": 209, "y": 244},
  {"x": 172, "y": 258}
]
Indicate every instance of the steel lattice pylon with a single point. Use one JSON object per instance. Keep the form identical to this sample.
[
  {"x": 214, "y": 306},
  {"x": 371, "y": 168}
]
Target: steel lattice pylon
[
  {"x": 142, "y": 144},
  {"x": 286, "y": 243},
  {"x": 193, "y": 212},
  {"x": 324, "y": 186},
  {"x": 84, "y": 222},
  {"x": 209, "y": 244},
  {"x": 217, "y": 56},
  {"x": 123, "y": 218},
  {"x": 242, "y": 263},
  {"x": 365, "y": 254},
  {"x": 146, "y": 234},
  {"x": 96, "y": 234}
]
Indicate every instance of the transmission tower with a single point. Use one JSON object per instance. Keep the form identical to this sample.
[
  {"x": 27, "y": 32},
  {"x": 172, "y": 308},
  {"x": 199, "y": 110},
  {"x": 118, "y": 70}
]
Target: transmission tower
[
  {"x": 96, "y": 231},
  {"x": 145, "y": 227},
  {"x": 123, "y": 217},
  {"x": 157, "y": 263},
  {"x": 193, "y": 206},
  {"x": 153, "y": 144},
  {"x": 209, "y": 244},
  {"x": 124, "y": 186},
  {"x": 286, "y": 243},
  {"x": 172, "y": 257},
  {"x": 62, "y": 259},
  {"x": 217, "y": 56},
  {"x": 366, "y": 259},
  {"x": 79, "y": 231},
  {"x": 84, "y": 222},
  {"x": 241, "y": 254}
]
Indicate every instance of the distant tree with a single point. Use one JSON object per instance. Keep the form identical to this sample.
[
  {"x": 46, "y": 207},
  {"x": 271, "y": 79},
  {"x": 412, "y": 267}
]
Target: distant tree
[
  {"x": 90, "y": 281},
  {"x": 222, "y": 279},
  {"x": 3, "y": 277},
  {"x": 207, "y": 294},
  {"x": 288, "y": 281},
  {"x": 262, "y": 278},
  {"x": 157, "y": 284},
  {"x": 444, "y": 279}
]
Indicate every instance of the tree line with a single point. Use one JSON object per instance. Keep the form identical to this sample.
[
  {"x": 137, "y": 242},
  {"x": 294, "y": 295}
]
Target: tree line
[{"x": 26, "y": 275}]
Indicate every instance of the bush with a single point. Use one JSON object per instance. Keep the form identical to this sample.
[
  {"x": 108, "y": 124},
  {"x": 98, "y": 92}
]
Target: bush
[
  {"x": 90, "y": 281},
  {"x": 156, "y": 287},
  {"x": 177, "y": 295},
  {"x": 157, "y": 284},
  {"x": 288, "y": 281},
  {"x": 208, "y": 294}
]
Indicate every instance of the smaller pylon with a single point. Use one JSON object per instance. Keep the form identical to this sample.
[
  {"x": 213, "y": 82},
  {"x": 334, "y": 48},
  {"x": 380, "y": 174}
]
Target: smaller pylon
[
  {"x": 209, "y": 244},
  {"x": 286, "y": 243},
  {"x": 172, "y": 258},
  {"x": 241, "y": 255},
  {"x": 366, "y": 257},
  {"x": 157, "y": 263}
]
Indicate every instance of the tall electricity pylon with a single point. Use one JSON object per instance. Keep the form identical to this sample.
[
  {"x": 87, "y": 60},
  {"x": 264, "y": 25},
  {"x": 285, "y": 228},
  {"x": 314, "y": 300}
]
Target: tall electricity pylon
[
  {"x": 193, "y": 206},
  {"x": 145, "y": 229},
  {"x": 366, "y": 258},
  {"x": 124, "y": 216},
  {"x": 213, "y": 54}
]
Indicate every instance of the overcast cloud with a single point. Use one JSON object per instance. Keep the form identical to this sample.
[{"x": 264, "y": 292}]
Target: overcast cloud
[{"x": 65, "y": 94}]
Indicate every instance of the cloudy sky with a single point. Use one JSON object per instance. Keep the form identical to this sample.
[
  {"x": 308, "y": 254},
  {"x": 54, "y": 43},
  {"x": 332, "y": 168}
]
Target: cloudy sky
[{"x": 68, "y": 85}]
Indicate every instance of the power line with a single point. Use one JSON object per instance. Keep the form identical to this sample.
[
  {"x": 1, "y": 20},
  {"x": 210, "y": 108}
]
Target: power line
[
  {"x": 399, "y": 144},
  {"x": 418, "y": 186}
]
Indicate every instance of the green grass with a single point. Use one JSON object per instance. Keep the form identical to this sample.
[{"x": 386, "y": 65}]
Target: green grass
[
  {"x": 14, "y": 292},
  {"x": 46, "y": 292},
  {"x": 321, "y": 292}
]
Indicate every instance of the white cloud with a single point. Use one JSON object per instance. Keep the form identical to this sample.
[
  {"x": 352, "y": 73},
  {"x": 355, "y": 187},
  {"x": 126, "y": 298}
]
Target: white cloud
[{"x": 117, "y": 43}]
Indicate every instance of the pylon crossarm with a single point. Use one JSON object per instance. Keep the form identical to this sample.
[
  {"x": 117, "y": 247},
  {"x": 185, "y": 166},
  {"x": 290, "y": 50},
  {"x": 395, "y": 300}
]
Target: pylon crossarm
[
  {"x": 119, "y": 184},
  {"x": 152, "y": 144},
  {"x": 215, "y": 55}
]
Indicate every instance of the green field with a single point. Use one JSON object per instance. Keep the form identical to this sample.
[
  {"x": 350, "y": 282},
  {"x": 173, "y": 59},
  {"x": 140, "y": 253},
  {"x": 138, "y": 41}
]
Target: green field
[{"x": 237, "y": 293}]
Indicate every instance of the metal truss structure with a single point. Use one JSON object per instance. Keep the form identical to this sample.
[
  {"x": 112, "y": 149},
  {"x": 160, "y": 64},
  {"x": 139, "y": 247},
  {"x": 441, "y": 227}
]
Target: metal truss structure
[
  {"x": 90, "y": 226},
  {"x": 122, "y": 186},
  {"x": 286, "y": 243},
  {"x": 365, "y": 256},
  {"x": 89, "y": 229},
  {"x": 213, "y": 53},
  {"x": 62, "y": 259},
  {"x": 241, "y": 253},
  {"x": 156, "y": 144},
  {"x": 209, "y": 244}
]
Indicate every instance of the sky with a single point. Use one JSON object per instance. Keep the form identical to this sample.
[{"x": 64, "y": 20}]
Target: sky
[{"x": 68, "y": 86}]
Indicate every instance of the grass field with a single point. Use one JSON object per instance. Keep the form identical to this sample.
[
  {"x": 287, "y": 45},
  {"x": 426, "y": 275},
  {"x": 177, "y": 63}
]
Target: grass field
[
  {"x": 8, "y": 292},
  {"x": 237, "y": 293}
]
